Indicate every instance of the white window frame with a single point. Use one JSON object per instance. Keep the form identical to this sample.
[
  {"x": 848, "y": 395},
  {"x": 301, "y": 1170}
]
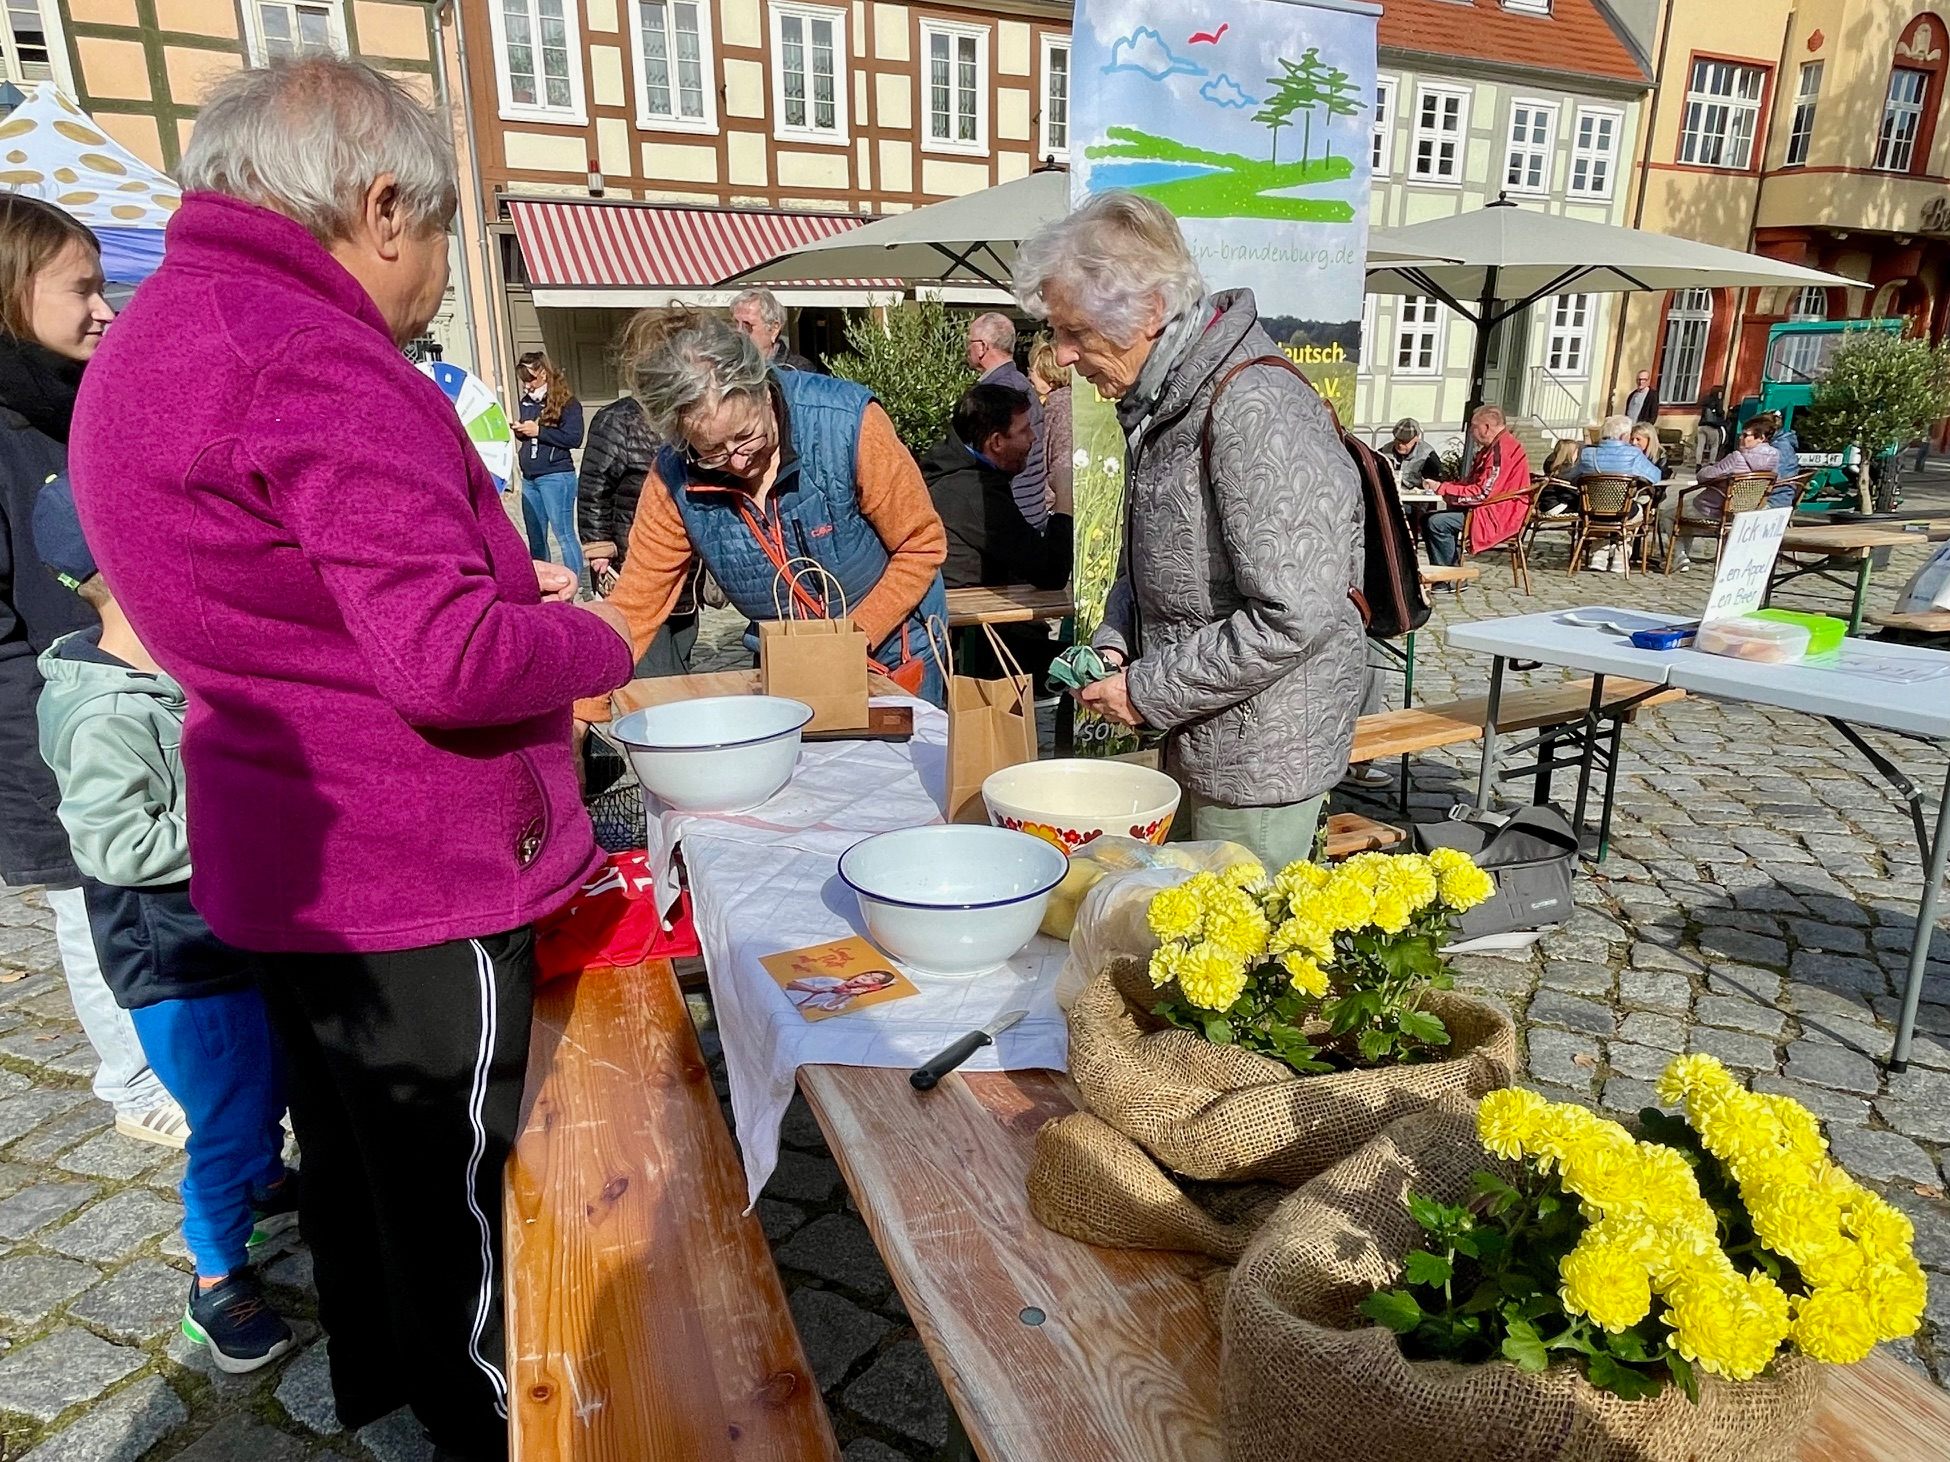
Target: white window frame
[
  {"x": 1686, "y": 316},
  {"x": 1801, "y": 122},
  {"x": 1370, "y": 334},
  {"x": 1436, "y": 136},
  {"x": 1712, "y": 118},
  {"x": 649, "y": 121},
  {"x": 1567, "y": 341},
  {"x": 1528, "y": 7},
  {"x": 1045, "y": 147},
  {"x": 1888, "y": 147},
  {"x": 259, "y": 44},
  {"x": 1800, "y": 302},
  {"x": 1529, "y": 150},
  {"x": 1421, "y": 326},
  {"x": 952, "y": 32},
  {"x": 1592, "y": 156},
  {"x": 1381, "y": 131},
  {"x": 840, "y": 134},
  {"x": 576, "y": 114},
  {"x": 52, "y": 35}
]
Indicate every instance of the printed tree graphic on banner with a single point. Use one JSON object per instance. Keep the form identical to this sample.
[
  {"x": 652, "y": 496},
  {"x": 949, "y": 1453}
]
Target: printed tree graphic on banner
[
  {"x": 1276, "y": 114},
  {"x": 1342, "y": 99},
  {"x": 1303, "y": 86}
]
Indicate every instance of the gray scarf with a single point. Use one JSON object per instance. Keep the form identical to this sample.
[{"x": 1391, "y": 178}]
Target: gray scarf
[{"x": 1175, "y": 342}]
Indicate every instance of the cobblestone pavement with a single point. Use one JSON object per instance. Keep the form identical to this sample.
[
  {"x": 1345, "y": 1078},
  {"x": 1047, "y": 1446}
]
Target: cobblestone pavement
[{"x": 1758, "y": 903}]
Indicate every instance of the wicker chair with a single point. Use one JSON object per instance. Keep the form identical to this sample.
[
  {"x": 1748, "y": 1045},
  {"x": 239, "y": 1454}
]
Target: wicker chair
[
  {"x": 1800, "y": 482},
  {"x": 1542, "y": 523},
  {"x": 1744, "y": 494},
  {"x": 1614, "y": 511},
  {"x": 1514, "y": 545}
]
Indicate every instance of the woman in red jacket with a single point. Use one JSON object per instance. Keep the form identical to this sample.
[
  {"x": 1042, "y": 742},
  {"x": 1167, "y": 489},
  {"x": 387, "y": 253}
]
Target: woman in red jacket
[{"x": 1493, "y": 486}]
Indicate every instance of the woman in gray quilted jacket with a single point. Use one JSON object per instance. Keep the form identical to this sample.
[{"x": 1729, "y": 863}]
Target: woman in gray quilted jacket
[{"x": 1231, "y": 621}]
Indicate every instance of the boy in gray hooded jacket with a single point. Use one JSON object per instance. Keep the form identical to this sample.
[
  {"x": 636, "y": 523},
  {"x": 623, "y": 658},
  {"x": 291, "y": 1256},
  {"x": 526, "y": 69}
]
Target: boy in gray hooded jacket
[{"x": 111, "y": 723}]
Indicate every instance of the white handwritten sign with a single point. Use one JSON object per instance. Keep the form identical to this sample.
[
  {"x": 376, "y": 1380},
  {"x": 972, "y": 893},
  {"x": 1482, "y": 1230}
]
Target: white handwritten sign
[{"x": 1740, "y": 578}]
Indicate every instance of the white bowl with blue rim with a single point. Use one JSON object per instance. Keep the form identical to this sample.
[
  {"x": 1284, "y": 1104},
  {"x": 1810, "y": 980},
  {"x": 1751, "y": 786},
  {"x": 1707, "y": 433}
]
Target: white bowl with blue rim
[
  {"x": 958, "y": 899},
  {"x": 726, "y": 753}
]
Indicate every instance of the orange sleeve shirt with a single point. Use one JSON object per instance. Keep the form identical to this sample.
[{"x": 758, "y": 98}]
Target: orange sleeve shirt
[{"x": 893, "y": 498}]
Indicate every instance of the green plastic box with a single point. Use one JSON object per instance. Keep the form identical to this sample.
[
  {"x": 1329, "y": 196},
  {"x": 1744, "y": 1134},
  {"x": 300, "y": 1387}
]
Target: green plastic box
[{"x": 1825, "y": 632}]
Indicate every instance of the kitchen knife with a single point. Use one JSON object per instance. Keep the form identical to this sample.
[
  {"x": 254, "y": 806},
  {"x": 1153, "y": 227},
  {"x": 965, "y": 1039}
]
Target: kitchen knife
[{"x": 925, "y": 1078}]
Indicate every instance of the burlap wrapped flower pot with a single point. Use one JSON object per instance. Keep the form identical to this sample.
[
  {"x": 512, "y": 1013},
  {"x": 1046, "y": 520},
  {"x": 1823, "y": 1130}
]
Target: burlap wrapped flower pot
[
  {"x": 1306, "y": 1376},
  {"x": 1225, "y": 1114}
]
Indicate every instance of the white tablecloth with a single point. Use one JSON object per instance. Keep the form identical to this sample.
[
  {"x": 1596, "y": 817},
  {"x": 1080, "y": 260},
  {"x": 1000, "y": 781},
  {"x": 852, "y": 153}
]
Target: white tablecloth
[{"x": 768, "y": 881}]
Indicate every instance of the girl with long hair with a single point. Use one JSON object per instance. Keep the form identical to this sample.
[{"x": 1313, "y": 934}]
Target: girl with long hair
[{"x": 549, "y": 423}]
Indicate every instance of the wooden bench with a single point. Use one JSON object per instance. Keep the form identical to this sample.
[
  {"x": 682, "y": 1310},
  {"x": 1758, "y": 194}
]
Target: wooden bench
[
  {"x": 1006, "y": 604},
  {"x": 1349, "y": 833},
  {"x": 1462, "y": 575},
  {"x": 1926, "y": 622},
  {"x": 645, "y": 1319},
  {"x": 1456, "y": 723}
]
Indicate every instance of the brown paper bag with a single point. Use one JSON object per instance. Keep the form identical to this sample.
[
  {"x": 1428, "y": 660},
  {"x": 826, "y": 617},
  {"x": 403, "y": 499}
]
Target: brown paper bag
[
  {"x": 820, "y": 661},
  {"x": 991, "y": 725}
]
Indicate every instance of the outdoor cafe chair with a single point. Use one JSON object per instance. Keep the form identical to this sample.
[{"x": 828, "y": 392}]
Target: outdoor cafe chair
[
  {"x": 1744, "y": 494},
  {"x": 1540, "y": 522},
  {"x": 1516, "y": 543},
  {"x": 1614, "y": 509}
]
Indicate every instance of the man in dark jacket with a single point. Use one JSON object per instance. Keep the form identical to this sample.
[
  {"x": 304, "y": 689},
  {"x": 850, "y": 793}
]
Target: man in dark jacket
[
  {"x": 758, "y": 313},
  {"x": 618, "y": 456},
  {"x": 989, "y": 542}
]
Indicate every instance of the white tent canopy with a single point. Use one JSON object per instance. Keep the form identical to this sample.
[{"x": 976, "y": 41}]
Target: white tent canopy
[
  {"x": 969, "y": 240},
  {"x": 1495, "y": 262}
]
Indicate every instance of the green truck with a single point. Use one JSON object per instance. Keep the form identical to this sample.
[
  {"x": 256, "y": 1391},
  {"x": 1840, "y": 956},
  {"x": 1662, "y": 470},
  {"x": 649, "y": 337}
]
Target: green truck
[{"x": 1798, "y": 356}]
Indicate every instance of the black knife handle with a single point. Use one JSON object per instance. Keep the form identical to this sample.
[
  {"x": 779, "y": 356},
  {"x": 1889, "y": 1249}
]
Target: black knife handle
[{"x": 927, "y": 1076}]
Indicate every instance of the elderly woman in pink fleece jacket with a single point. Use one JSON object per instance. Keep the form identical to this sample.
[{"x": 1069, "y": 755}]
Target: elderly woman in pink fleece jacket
[{"x": 381, "y": 791}]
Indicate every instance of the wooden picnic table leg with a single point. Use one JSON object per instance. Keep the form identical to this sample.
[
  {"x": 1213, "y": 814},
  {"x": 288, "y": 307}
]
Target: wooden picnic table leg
[
  {"x": 1935, "y": 857},
  {"x": 1486, "y": 771}
]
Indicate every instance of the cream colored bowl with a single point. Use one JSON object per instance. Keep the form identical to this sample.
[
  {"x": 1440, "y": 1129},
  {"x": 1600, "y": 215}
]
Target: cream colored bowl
[{"x": 1080, "y": 799}]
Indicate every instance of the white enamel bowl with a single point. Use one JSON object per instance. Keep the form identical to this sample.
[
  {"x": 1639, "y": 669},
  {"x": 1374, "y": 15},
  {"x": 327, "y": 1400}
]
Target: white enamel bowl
[
  {"x": 718, "y": 754},
  {"x": 1077, "y": 800},
  {"x": 953, "y": 900}
]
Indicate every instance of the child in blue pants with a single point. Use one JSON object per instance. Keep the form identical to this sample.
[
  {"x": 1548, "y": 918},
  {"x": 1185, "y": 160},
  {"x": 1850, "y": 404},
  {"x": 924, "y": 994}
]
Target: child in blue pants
[{"x": 110, "y": 725}]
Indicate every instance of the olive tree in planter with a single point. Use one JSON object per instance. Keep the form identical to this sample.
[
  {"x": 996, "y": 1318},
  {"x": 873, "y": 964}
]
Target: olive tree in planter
[
  {"x": 1881, "y": 393},
  {"x": 913, "y": 357}
]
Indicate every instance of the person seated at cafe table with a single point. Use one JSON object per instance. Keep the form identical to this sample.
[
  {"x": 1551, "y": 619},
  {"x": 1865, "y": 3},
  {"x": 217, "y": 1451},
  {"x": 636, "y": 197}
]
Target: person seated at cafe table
[
  {"x": 1614, "y": 455},
  {"x": 1416, "y": 464},
  {"x": 1496, "y": 484},
  {"x": 1704, "y": 503},
  {"x": 1556, "y": 498},
  {"x": 991, "y": 436},
  {"x": 791, "y": 487}
]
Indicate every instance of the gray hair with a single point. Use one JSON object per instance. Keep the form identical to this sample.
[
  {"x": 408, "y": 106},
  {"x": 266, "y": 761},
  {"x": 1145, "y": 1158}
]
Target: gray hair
[
  {"x": 1114, "y": 257},
  {"x": 1615, "y": 426},
  {"x": 307, "y": 137},
  {"x": 682, "y": 360},
  {"x": 769, "y": 308},
  {"x": 997, "y": 332}
]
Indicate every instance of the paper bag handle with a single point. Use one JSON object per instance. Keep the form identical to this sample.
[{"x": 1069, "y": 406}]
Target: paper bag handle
[
  {"x": 1011, "y": 666},
  {"x": 942, "y": 648},
  {"x": 787, "y": 580}
]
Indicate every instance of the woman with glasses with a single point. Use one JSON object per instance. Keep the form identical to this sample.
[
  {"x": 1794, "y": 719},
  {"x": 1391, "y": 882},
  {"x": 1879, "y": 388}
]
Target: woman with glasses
[{"x": 791, "y": 487}]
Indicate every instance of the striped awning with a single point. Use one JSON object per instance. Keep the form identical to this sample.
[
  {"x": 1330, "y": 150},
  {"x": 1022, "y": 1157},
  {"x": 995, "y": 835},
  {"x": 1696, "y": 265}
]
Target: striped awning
[{"x": 582, "y": 246}]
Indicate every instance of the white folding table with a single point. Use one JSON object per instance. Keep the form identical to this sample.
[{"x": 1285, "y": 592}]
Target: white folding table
[{"x": 1896, "y": 688}]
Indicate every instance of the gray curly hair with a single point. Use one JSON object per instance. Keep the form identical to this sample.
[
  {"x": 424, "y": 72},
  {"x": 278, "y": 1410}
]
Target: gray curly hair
[
  {"x": 678, "y": 361},
  {"x": 1114, "y": 257}
]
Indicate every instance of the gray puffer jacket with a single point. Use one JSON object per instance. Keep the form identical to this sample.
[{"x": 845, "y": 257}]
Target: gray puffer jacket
[{"x": 1232, "y": 600}]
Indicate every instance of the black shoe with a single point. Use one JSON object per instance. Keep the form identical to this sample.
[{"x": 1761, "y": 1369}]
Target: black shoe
[
  {"x": 276, "y": 1211},
  {"x": 234, "y": 1320}
]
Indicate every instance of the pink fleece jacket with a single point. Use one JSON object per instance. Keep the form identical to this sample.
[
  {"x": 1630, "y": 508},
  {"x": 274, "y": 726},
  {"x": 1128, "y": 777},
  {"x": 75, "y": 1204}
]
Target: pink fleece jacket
[{"x": 377, "y": 747}]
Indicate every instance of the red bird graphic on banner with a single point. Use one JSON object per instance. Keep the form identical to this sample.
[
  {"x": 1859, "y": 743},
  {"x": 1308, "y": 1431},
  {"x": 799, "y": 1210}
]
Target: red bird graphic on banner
[{"x": 1210, "y": 37}]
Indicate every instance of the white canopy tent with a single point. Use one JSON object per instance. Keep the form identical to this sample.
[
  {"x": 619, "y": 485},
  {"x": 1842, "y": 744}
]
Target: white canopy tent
[{"x": 1502, "y": 259}]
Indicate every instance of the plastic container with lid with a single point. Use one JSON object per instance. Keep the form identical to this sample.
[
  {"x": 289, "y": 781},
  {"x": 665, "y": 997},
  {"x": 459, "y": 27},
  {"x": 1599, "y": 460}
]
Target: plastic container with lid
[
  {"x": 1825, "y": 631},
  {"x": 1749, "y": 637}
]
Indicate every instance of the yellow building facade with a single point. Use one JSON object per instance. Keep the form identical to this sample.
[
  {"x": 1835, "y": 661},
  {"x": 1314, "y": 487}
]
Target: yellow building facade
[{"x": 1806, "y": 130}]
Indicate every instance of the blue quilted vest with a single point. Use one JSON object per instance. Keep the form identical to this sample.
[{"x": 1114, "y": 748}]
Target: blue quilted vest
[{"x": 817, "y": 508}]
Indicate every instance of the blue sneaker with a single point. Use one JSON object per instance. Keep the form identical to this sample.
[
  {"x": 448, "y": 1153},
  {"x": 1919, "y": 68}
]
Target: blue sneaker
[{"x": 234, "y": 1320}]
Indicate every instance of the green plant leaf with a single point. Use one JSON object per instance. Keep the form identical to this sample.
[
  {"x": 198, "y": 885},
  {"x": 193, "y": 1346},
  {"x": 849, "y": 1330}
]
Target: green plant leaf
[
  {"x": 1525, "y": 1352},
  {"x": 1490, "y": 1244},
  {"x": 1682, "y": 1372},
  {"x": 1423, "y": 1026},
  {"x": 1218, "y": 1030},
  {"x": 1374, "y": 1044},
  {"x": 1622, "y": 1381},
  {"x": 1422, "y": 1267},
  {"x": 1395, "y": 1308}
]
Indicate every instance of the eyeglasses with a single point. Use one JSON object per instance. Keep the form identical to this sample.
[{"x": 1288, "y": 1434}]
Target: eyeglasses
[{"x": 747, "y": 446}]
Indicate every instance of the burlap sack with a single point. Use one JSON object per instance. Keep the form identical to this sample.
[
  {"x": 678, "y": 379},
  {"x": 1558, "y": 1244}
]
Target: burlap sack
[
  {"x": 1223, "y": 1114},
  {"x": 1305, "y": 1376}
]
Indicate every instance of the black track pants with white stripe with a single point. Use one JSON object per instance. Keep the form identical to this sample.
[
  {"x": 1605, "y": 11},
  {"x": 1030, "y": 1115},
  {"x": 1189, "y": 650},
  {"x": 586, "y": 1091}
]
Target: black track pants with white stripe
[{"x": 405, "y": 1076}]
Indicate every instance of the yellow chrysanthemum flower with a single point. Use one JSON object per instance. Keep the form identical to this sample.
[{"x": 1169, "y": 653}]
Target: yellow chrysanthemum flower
[
  {"x": 1211, "y": 976},
  {"x": 1686, "y": 1077},
  {"x": 1307, "y": 976},
  {"x": 1302, "y": 936},
  {"x": 1174, "y": 913},
  {"x": 1882, "y": 1229},
  {"x": 1834, "y": 1325},
  {"x": 1409, "y": 878},
  {"x": 1165, "y": 960},
  {"x": 1728, "y": 1325},
  {"x": 1895, "y": 1292},
  {"x": 1508, "y": 1120},
  {"x": 1391, "y": 913},
  {"x": 1605, "y": 1284},
  {"x": 1249, "y": 876}
]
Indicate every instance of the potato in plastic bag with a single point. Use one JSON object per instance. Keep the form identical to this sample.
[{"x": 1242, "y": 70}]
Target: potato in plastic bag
[{"x": 1101, "y": 904}]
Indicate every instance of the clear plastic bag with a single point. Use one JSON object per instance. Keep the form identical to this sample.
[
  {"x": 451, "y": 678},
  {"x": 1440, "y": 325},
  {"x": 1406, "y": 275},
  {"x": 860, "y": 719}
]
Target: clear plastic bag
[{"x": 1101, "y": 904}]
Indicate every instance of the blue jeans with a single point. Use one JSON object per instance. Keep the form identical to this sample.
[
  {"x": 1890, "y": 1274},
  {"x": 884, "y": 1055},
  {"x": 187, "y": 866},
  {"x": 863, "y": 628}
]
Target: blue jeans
[
  {"x": 1443, "y": 534},
  {"x": 215, "y": 1055},
  {"x": 549, "y": 501}
]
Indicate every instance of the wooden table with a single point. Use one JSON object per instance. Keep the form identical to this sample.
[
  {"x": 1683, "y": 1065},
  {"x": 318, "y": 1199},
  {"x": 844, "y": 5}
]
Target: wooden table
[
  {"x": 645, "y": 1319},
  {"x": 1928, "y": 621},
  {"x": 1007, "y": 604},
  {"x": 1124, "y": 1359},
  {"x": 1841, "y": 546}
]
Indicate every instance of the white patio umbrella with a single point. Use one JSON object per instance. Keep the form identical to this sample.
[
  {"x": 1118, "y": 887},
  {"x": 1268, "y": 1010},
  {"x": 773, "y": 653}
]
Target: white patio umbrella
[
  {"x": 1504, "y": 259},
  {"x": 969, "y": 240}
]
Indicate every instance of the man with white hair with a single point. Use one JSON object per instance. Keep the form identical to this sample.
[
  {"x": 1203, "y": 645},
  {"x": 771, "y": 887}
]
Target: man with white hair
[
  {"x": 992, "y": 356},
  {"x": 1613, "y": 455},
  {"x": 382, "y": 795},
  {"x": 758, "y": 314}
]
